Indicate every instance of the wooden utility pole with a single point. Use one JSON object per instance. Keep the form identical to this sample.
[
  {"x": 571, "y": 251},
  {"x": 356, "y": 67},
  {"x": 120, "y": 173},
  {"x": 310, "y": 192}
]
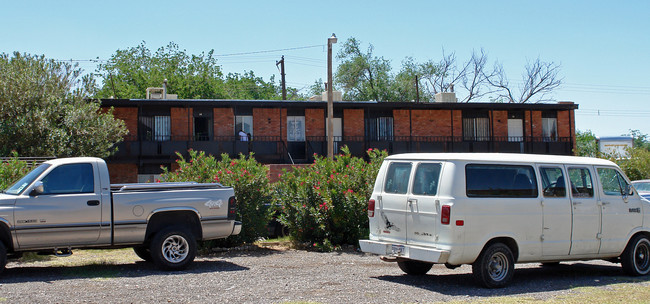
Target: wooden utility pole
[{"x": 284, "y": 83}]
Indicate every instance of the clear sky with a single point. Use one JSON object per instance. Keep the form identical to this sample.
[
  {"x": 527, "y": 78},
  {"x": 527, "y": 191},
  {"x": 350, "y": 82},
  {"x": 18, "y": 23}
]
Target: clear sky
[{"x": 603, "y": 47}]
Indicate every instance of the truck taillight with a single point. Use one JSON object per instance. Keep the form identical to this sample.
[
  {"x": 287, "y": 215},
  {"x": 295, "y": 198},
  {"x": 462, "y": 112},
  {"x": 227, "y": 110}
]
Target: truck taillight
[
  {"x": 445, "y": 215},
  {"x": 232, "y": 208},
  {"x": 371, "y": 208}
]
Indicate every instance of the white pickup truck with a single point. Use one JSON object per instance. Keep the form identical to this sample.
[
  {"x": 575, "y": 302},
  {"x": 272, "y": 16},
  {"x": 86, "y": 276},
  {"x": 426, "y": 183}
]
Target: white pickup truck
[{"x": 69, "y": 203}]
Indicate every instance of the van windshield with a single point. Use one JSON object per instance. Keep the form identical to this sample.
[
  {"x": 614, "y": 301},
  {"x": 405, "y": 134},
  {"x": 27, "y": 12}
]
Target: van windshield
[{"x": 20, "y": 185}]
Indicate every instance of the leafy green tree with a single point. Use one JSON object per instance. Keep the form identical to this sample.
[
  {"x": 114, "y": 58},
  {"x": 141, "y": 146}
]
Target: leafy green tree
[
  {"x": 640, "y": 140},
  {"x": 586, "y": 144},
  {"x": 128, "y": 74},
  {"x": 12, "y": 169},
  {"x": 362, "y": 75},
  {"x": 44, "y": 110}
]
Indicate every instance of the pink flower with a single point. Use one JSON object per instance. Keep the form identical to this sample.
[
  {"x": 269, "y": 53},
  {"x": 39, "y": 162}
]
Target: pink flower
[{"x": 350, "y": 191}]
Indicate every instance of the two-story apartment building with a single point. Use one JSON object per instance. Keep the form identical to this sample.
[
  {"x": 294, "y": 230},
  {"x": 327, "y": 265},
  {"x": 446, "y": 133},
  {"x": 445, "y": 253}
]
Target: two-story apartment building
[{"x": 292, "y": 131}]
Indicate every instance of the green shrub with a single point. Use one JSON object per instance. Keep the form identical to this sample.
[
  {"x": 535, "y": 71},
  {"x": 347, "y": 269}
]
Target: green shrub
[
  {"x": 637, "y": 166},
  {"x": 325, "y": 204},
  {"x": 245, "y": 175},
  {"x": 11, "y": 170}
]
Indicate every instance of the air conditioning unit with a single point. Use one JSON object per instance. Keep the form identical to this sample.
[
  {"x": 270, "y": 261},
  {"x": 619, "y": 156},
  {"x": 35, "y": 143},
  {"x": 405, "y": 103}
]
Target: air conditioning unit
[
  {"x": 445, "y": 97},
  {"x": 155, "y": 93}
]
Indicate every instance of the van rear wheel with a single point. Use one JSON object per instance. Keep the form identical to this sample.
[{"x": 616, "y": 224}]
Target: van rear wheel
[
  {"x": 414, "y": 267},
  {"x": 495, "y": 266},
  {"x": 635, "y": 259}
]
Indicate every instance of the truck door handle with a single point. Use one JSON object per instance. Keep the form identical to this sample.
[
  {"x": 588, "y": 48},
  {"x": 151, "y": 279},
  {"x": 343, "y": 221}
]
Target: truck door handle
[{"x": 93, "y": 203}]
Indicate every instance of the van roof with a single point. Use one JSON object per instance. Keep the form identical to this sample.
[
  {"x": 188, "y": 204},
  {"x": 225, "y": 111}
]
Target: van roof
[{"x": 504, "y": 157}]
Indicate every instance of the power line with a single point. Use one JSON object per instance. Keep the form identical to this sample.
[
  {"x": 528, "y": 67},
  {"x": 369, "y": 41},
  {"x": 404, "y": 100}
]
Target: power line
[{"x": 271, "y": 51}]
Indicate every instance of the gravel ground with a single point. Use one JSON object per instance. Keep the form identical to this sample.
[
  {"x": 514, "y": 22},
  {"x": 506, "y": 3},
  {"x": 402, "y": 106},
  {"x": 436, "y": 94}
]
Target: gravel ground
[{"x": 277, "y": 276}]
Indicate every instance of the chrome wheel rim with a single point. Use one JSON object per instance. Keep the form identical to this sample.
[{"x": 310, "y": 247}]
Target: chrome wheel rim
[
  {"x": 175, "y": 249},
  {"x": 642, "y": 256},
  {"x": 498, "y": 266}
]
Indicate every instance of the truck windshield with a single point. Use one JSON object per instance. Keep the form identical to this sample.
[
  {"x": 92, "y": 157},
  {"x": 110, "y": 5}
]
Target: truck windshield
[{"x": 20, "y": 185}]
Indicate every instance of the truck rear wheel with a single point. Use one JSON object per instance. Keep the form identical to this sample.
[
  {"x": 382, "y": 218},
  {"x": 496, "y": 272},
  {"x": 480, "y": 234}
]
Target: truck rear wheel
[
  {"x": 495, "y": 266},
  {"x": 635, "y": 259},
  {"x": 3, "y": 256},
  {"x": 173, "y": 249},
  {"x": 414, "y": 267}
]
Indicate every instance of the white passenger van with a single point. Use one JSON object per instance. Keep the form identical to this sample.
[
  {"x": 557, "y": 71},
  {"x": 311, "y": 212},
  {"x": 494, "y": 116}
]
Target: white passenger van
[{"x": 495, "y": 210}]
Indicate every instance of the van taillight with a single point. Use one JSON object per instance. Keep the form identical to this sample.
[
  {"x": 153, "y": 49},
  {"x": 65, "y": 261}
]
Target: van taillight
[
  {"x": 232, "y": 208},
  {"x": 371, "y": 208},
  {"x": 445, "y": 215}
]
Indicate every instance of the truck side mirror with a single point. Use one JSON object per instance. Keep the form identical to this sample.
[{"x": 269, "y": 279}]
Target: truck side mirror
[{"x": 37, "y": 189}]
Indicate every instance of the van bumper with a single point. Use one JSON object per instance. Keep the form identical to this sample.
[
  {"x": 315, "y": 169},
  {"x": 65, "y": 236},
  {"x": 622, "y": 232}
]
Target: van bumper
[{"x": 426, "y": 254}]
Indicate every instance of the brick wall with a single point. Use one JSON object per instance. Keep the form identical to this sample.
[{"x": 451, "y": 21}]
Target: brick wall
[
  {"x": 123, "y": 173},
  {"x": 224, "y": 122},
  {"x": 431, "y": 123},
  {"x": 353, "y": 122},
  {"x": 500, "y": 123},
  {"x": 181, "y": 127},
  {"x": 457, "y": 124},
  {"x": 130, "y": 117},
  {"x": 315, "y": 122},
  {"x": 537, "y": 123},
  {"x": 402, "y": 122},
  {"x": 267, "y": 122}
]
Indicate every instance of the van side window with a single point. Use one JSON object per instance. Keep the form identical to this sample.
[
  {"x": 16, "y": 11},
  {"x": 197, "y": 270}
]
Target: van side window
[
  {"x": 612, "y": 181},
  {"x": 397, "y": 178},
  {"x": 553, "y": 182},
  {"x": 500, "y": 181},
  {"x": 581, "y": 185},
  {"x": 426, "y": 179}
]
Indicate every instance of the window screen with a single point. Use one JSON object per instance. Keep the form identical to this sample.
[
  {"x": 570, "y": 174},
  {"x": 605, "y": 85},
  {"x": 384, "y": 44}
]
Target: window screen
[{"x": 500, "y": 181}]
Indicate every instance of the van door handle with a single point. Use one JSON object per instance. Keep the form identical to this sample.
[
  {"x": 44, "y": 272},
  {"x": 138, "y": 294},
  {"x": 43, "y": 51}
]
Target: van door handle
[
  {"x": 93, "y": 203},
  {"x": 413, "y": 202},
  {"x": 577, "y": 203}
]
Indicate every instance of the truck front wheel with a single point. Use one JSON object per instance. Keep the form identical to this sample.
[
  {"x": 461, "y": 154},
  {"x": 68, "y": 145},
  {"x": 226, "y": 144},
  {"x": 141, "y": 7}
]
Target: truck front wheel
[
  {"x": 3, "y": 256},
  {"x": 143, "y": 253},
  {"x": 173, "y": 249}
]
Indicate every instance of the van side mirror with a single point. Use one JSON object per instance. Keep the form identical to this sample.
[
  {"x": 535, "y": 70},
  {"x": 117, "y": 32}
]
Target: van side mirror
[
  {"x": 37, "y": 189},
  {"x": 629, "y": 189}
]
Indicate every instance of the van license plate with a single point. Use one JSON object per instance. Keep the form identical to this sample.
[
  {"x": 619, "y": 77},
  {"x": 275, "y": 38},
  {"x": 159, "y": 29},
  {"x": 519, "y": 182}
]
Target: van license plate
[{"x": 397, "y": 249}]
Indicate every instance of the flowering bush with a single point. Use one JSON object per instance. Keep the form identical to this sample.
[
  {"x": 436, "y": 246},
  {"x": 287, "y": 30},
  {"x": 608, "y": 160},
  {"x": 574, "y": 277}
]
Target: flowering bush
[
  {"x": 245, "y": 175},
  {"x": 11, "y": 170},
  {"x": 325, "y": 204}
]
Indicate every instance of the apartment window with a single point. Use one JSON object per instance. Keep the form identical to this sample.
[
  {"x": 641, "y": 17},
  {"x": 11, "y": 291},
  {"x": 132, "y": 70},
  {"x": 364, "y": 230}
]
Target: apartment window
[
  {"x": 549, "y": 126},
  {"x": 295, "y": 128},
  {"x": 379, "y": 129},
  {"x": 244, "y": 123},
  {"x": 476, "y": 126},
  {"x": 155, "y": 128}
]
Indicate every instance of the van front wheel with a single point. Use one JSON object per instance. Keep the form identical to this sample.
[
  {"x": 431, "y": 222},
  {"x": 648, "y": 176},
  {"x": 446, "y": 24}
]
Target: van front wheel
[
  {"x": 495, "y": 266},
  {"x": 635, "y": 259},
  {"x": 414, "y": 267}
]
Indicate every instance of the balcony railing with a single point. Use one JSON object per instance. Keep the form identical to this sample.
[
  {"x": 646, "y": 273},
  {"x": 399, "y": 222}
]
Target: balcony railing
[{"x": 272, "y": 149}]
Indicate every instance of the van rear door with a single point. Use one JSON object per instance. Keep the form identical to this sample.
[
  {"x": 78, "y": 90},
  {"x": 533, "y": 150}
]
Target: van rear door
[
  {"x": 393, "y": 202},
  {"x": 423, "y": 205}
]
